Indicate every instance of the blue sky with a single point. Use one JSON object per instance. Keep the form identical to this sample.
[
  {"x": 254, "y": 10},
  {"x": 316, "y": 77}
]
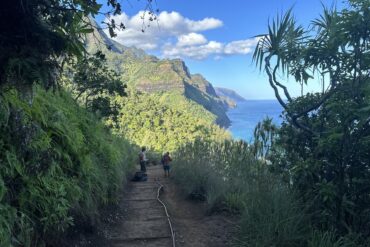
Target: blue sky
[{"x": 215, "y": 38}]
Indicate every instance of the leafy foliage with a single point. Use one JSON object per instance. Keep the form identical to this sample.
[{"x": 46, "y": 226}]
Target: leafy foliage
[
  {"x": 331, "y": 171},
  {"x": 337, "y": 51},
  {"x": 59, "y": 165},
  {"x": 264, "y": 136},
  {"x": 34, "y": 33},
  {"x": 323, "y": 145},
  {"x": 94, "y": 84},
  {"x": 164, "y": 121},
  {"x": 37, "y": 36}
]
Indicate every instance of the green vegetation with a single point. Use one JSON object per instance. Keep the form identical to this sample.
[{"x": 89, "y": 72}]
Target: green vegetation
[
  {"x": 323, "y": 145},
  {"x": 94, "y": 84},
  {"x": 306, "y": 183},
  {"x": 149, "y": 74},
  {"x": 164, "y": 121},
  {"x": 38, "y": 35},
  {"x": 59, "y": 166},
  {"x": 230, "y": 178}
]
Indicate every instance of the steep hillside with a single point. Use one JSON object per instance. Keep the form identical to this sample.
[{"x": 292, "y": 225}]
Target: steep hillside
[
  {"x": 228, "y": 93},
  {"x": 229, "y": 97},
  {"x": 149, "y": 74},
  {"x": 164, "y": 121},
  {"x": 59, "y": 166}
]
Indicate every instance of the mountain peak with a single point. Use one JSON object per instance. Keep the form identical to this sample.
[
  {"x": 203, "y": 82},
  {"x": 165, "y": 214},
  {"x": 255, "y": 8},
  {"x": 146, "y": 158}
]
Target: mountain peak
[
  {"x": 150, "y": 74},
  {"x": 99, "y": 40}
]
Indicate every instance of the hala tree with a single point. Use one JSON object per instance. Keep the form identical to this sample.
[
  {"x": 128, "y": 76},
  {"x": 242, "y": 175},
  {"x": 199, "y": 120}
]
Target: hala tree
[
  {"x": 336, "y": 48},
  {"x": 325, "y": 138}
]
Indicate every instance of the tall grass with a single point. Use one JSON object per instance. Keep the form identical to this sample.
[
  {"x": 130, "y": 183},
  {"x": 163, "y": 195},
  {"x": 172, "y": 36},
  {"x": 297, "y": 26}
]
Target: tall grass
[
  {"x": 230, "y": 178},
  {"x": 59, "y": 166}
]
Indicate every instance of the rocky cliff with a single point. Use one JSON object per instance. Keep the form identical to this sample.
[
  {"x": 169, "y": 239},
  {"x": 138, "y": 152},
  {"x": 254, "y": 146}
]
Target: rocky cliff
[
  {"x": 229, "y": 96},
  {"x": 150, "y": 74}
]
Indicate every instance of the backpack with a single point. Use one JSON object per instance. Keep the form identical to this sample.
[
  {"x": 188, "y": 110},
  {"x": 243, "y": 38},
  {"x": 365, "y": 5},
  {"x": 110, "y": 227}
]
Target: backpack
[
  {"x": 140, "y": 177},
  {"x": 166, "y": 159}
]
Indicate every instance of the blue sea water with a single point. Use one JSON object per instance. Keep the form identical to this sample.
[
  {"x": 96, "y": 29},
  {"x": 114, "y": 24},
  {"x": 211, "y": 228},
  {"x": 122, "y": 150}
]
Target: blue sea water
[{"x": 247, "y": 114}]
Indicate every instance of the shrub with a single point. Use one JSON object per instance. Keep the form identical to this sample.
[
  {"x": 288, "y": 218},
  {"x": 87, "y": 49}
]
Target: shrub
[
  {"x": 272, "y": 215},
  {"x": 229, "y": 176},
  {"x": 58, "y": 164}
]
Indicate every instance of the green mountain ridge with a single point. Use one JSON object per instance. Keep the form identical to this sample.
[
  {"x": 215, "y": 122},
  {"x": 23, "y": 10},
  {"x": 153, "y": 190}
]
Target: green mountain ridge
[
  {"x": 149, "y": 74},
  {"x": 229, "y": 94}
]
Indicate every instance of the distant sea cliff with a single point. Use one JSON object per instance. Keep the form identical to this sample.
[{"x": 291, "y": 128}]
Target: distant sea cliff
[{"x": 230, "y": 97}]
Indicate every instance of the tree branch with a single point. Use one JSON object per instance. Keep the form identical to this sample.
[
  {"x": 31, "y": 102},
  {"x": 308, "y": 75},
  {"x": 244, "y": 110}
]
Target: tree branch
[
  {"x": 272, "y": 84},
  {"x": 286, "y": 92},
  {"x": 281, "y": 101}
]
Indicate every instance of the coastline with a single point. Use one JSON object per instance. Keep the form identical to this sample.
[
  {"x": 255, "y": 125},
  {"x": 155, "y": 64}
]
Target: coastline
[{"x": 246, "y": 115}]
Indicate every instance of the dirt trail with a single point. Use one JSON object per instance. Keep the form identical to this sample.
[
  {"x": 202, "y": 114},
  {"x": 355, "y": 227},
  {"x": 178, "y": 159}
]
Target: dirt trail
[
  {"x": 140, "y": 219},
  {"x": 144, "y": 221},
  {"x": 193, "y": 227}
]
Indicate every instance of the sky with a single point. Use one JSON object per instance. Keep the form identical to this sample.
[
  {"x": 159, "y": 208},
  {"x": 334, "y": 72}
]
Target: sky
[{"x": 215, "y": 38}]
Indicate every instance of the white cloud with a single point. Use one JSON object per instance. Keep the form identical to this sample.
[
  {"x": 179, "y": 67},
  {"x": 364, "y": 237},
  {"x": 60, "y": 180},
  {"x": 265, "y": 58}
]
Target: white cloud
[
  {"x": 168, "y": 25},
  {"x": 195, "y": 51},
  {"x": 240, "y": 46},
  {"x": 205, "y": 24},
  {"x": 177, "y": 36},
  {"x": 191, "y": 39},
  {"x": 211, "y": 48}
]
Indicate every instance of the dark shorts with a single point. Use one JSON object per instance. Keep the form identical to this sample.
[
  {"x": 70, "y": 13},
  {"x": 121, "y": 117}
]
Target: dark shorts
[
  {"x": 142, "y": 166},
  {"x": 166, "y": 167}
]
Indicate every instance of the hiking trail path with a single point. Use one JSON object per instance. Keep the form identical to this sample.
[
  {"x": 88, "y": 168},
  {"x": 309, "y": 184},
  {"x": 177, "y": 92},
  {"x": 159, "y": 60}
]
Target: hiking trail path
[
  {"x": 141, "y": 219},
  {"x": 145, "y": 222}
]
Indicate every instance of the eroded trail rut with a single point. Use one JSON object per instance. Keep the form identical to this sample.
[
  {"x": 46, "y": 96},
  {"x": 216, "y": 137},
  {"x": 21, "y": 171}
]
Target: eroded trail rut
[{"x": 145, "y": 221}]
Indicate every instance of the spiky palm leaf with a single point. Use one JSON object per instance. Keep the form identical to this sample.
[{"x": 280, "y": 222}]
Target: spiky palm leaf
[
  {"x": 326, "y": 22},
  {"x": 282, "y": 39}
]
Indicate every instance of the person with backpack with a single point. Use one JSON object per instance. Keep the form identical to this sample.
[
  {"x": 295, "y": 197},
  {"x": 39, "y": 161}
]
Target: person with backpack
[
  {"x": 142, "y": 159},
  {"x": 166, "y": 159}
]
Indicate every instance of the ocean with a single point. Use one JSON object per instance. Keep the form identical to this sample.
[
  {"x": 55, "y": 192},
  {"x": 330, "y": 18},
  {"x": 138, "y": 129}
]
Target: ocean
[{"x": 247, "y": 114}]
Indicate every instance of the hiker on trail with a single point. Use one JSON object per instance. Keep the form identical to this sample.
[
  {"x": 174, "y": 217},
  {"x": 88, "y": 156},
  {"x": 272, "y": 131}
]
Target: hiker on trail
[
  {"x": 142, "y": 159},
  {"x": 166, "y": 159}
]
